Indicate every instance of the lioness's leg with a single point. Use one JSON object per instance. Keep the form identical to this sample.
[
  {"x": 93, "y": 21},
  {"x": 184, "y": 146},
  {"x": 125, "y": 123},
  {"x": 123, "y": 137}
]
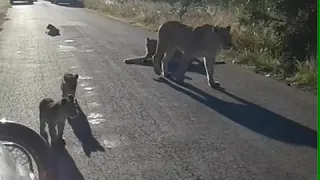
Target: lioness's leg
[
  {"x": 60, "y": 131},
  {"x": 186, "y": 58},
  {"x": 53, "y": 134},
  {"x": 209, "y": 66},
  {"x": 43, "y": 132},
  {"x": 157, "y": 57},
  {"x": 165, "y": 62}
]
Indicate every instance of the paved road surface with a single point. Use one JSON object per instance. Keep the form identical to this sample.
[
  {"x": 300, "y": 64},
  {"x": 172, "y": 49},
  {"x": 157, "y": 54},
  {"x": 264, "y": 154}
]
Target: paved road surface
[{"x": 151, "y": 128}]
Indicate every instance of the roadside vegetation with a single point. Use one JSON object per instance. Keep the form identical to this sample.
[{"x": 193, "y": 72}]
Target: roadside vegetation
[
  {"x": 274, "y": 37},
  {"x": 4, "y": 5}
]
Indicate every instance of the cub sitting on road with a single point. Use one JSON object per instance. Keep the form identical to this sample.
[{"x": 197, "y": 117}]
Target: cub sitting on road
[
  {"x": 54, "y": 115},
  {"x": 53, "y": 31},
  {"x": 69, "y": 84},
  {"x": 199, "y": 42}
]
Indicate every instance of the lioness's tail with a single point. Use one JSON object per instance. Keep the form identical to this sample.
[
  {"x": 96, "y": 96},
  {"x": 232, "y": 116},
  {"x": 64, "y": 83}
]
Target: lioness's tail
[{"x": 136, "y": 60}]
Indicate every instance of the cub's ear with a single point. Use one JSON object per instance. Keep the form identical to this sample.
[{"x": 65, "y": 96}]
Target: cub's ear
[
  {"x": 76, "y": 76},
  {"x": 64, "y": 101},
  {"x": 70, "y": 97},
  {"x": 147, "y": 39}
]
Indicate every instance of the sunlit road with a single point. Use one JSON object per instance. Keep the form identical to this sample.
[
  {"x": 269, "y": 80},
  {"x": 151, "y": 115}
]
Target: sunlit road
[{"x": 150, "y": 128}]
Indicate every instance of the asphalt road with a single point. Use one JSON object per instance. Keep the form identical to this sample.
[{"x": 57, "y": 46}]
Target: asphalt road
[{"x": 146, "y": 127}]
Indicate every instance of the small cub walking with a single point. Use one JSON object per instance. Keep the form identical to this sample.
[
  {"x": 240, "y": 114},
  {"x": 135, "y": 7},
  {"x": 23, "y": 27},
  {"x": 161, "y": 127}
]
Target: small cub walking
[
  {"x": 54, "y": 115},
  {"x": 69, "y": 84}
]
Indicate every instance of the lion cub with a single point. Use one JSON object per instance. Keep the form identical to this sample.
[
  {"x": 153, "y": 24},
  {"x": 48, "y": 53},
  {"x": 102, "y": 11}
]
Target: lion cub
[
  {"x": 54, "y": 115},
  {"x": 69, "y": 84},
  {"x": 53, "y": 31},
  {"x": 151, "y": 45}
]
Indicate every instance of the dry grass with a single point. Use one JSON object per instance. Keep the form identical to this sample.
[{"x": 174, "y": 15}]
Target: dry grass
[
  {"x": 4, "y": 5},
  {"x": 250, "y": 48}
]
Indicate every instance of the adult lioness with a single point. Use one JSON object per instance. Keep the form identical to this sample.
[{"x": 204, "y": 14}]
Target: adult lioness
[
  {"x": 54, "y": 115},
  {"x": 199, "y": 42},
  {"x": 151, "y": 45},
  {"x": 69, "y": 84}
]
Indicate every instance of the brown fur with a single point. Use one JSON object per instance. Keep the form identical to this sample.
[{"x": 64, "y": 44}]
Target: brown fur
[
  {"x": 52, "y": 30},
  {"x": 151, "y": 45},
  {"x": 54, "y": 115},
  {"x": 200, "y": 42},
  {"x": 69, "y": 84}
]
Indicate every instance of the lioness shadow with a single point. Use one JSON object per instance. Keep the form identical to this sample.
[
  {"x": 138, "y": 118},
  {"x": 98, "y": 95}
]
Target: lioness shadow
[
  {"x": 82, "y": 130},
  {"x": 252, "y": 116},
  {"x": 65, "y": 166},
  {"x": 196, "y": 65}
]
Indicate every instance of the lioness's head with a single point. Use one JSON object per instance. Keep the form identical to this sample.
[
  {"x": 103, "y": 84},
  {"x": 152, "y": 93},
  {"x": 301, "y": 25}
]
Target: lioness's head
[
  {"x": 151, "y": 46},
  {"x": 225, "y": 34},
  {"x": 71, "y": 82},
  {"x": 69, "y": 106}
]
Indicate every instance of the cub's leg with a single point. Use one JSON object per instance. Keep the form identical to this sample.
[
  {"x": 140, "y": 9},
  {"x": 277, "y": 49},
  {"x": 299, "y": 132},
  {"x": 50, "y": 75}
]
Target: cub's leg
[
  {"x": 53, "y": 135},
  {"x": 60, "y": 133},
  {"x": 43, "y": 132},
  {"x": 209, "y": 66},
  {"x": 165, "y": 62},
  {"x": 186, "y": 58}
]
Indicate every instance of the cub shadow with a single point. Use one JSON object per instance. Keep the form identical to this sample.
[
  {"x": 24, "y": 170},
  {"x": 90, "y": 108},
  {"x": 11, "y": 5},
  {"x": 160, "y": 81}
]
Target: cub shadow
[
  {"x": 82, "y": 130},
  {"x": 195, "y": 65},
  {"x": 252, "y": 116},
  {"x": 65, "y": 167},
  {"x": 72, "y": 5}
]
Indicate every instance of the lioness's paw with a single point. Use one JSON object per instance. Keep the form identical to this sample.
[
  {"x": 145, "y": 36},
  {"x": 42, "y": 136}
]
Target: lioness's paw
[
  {"x": 157, "y": 71},
  {"x": 167, "y": 75},
  {"x": 214, "y": 84}
]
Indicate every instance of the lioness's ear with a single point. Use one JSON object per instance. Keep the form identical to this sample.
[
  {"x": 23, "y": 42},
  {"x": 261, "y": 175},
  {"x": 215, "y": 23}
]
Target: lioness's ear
[
  {"x": 76, "y": 76},
  {"x": 228, "y": 27},
  {"x": 64, "y": 101}
]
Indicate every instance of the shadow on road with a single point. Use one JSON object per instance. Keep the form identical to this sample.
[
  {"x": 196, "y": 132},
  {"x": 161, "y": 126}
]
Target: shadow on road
[
  {"x": 252, "y": 116},
  {"x": 65, "y": 166},
  {"x": 79, "y": 5},
  {"x": 82, "y": 130},
  {"x": 174, "y": 65}
]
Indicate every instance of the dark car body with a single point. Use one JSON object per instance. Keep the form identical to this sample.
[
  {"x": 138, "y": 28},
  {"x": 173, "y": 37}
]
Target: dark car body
[{"x": 29, "y": 1}]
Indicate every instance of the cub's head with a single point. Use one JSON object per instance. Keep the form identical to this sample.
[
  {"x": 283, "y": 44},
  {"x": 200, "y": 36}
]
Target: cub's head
[
  {"x": 69, "y": 106},
  {"x": 225, "y": 36},
  {"x": 50, "y": 26},
  {"x": 151, "y": 46},
  {"x": 70, "y": 82}
]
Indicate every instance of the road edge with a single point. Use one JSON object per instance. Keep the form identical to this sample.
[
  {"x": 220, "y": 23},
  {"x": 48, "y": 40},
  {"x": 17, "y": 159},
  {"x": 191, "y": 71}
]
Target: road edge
[
  {"x": 152, "y": 29},
  {"x": 4, "y": 6}
]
